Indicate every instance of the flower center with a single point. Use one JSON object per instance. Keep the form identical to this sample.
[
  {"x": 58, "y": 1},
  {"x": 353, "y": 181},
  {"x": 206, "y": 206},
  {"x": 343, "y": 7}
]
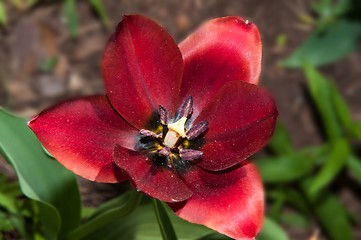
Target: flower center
[
  {"x": 175, "y": 131},
  {"x": 172, "y": 144}
]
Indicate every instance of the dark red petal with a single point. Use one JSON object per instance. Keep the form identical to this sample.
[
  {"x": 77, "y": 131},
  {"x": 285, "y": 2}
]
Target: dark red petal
[
  {"x": 231, "y": 202},
  {"x": 241, "y": 118},
  {"x": 81, "y": 135},
  {"x": 156, "y": 181},
  {"x": 222, "y": 50},
  {"x": 142, "y": 69}
]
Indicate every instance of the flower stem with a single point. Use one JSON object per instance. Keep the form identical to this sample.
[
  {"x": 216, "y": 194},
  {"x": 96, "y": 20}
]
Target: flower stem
[{"x": 164, "y": 222}]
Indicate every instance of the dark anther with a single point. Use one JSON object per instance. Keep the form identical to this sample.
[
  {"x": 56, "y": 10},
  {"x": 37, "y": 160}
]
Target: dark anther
[
  {"x": 190, "y": 154},
  {"x": 147, "y": 133},
  {"x": 163, "y": 115},
  {"x": 186, "y": 108},
  {"x": 165, "y": 151},
  {"x": 197, "y": 130}
]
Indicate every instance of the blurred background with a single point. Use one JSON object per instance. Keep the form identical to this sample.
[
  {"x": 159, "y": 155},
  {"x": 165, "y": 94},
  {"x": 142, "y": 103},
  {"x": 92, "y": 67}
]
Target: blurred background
[{"x": 51, "y": 50}]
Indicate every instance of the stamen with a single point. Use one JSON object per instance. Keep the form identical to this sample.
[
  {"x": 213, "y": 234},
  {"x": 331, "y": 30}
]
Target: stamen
[
  {"x": 147, "y": 133},
  {"x": 165, "y": 151},
  {"x": 197, "y": 130},
  {"x": 163, "y": 115},
  {"x": 186, "y": 108},
  {"x": 190, "y": 154}
]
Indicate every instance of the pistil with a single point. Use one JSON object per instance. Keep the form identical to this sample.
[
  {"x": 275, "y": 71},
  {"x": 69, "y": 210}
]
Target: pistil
[
  {"x": 171, "y": 139},
  {"x": 175, "y": 131}
]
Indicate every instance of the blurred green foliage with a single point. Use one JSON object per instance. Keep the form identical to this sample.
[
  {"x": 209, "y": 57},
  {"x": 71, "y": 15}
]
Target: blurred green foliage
[
  {"x": 336, "y": 34},
  {"x": 3, "y": 17},
  {"x": 69, "y": 9},
  {"x": 303, "y": 179},
  {"x": 326, "y": 46}
]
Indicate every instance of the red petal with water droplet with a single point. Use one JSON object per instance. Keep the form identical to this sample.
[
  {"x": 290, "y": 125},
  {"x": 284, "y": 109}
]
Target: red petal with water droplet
[
  {"x": 241, "y": 118},
  {"x": 156, "y": 181},
  {"x": 230, "y": 202},
  {"x": 81, "y": 134},
  {"x": 142, "y": 68},
  {"x": 221, "y": 50}
]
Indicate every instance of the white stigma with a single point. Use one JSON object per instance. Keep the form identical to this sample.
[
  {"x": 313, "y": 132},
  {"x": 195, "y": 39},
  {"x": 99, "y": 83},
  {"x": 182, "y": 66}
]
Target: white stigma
[{"x": 176, "y": 130}]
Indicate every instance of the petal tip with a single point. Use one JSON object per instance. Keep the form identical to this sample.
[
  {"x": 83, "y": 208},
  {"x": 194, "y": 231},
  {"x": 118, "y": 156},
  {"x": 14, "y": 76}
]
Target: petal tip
[
  {"x": 128, "y": 17},
  {"x": 31, "y": 122},
  {"x": 245, "y": 23}
]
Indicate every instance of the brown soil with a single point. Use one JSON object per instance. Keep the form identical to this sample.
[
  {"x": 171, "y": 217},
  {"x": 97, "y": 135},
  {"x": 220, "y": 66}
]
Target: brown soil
[{"x": 40, "y": 33}]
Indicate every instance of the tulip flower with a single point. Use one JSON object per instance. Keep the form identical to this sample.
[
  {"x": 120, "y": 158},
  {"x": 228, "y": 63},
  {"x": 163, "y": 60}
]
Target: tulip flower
[{"x": 179, "y": 122}]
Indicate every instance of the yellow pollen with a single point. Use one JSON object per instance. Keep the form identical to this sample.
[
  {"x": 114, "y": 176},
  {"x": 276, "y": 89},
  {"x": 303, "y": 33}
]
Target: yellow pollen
[{"x": 176, "y": 130}]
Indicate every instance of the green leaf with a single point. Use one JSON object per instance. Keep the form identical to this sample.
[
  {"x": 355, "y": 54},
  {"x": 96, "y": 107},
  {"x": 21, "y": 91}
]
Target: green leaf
[
  {"x": 342, "y": 7},
  {"x": 165, "y": 224},
  {"x": 330, "y": 10},
  {"x": 3, "y": 18},
  {"x": 285, "y": 168},
  {"x": 86, "y": 212},
  {"x": 111, "y": 204},
  {"x": 41, "y": 178},
  {"x": 295, "y": 219},
  {"x": 10, "y": 208},
  {"x": 336, "y": 161},
  {"x": 281, "y": 142},
  {"x": 354, "y": 166},
  {"x": 322, "y": 7},
  {"x": 71, "y": 17},
  {"x": 356, "y": 130},
  {"x": 106, "y": 217},
  {"x": 99, "y": 8},
  {"x": 5, "y": 224},
  {"x": 297, "y": 199},
  {"x": 278, "y": 201},
  {"x": 291, "y": 196},
  {"x": 331, "y": 215},
  {"x": 272, "y": 231},
  {"x": 142, "y": 224},
  {"x": 320, "y": 91},
  {"x": 333, "y": 108},
  {"x": 8, "y": 203},
  {"x": 341, "y": 108},
  {"x": 336, "y": 42},
  {"x": 11, "y": 189}
]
